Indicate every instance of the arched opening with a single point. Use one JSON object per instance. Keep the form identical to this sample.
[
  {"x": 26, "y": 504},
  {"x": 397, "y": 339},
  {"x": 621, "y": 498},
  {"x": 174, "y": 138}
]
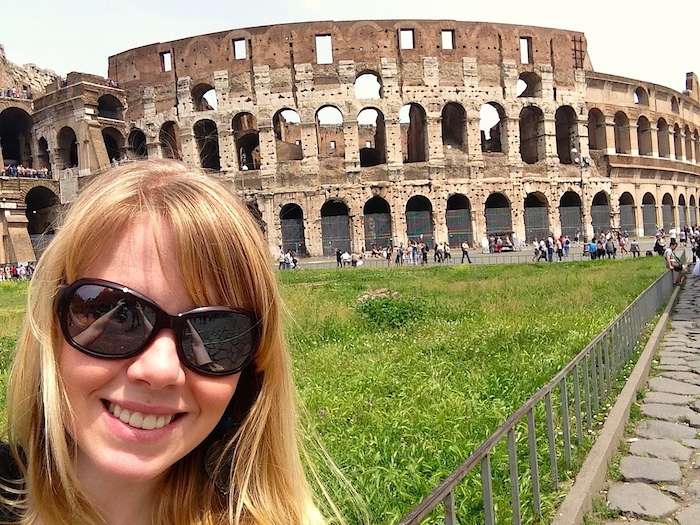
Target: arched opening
[
  {"x": 287, "y": 127},
  {"x": 600, "y": 213},
  {"x": 137, "y": 144},
  {"x": 688, "y": 144},
  {"x": 108, "y": 106},
  {"x": 644, "y": 136},
  {"x": 419, "y": 220},
  {"x": 498, "y": 215},
  {"x": 492, "y": 126},
  {"x": 15, "y": 137},
  {"x": 207, "y": 136},
  {"x": 335, "y": 227},
  {"x": 459, "y": 220},
  {"x": 529, "y": 85},
  {"x": 246, "y": 137},
  {"x": 44, "y": 160},
  {"x": 368, "y": 85},
  {"x": 667, "y": 222},
  {"x": 114, "y": 142},
  {"x": 536, "y": 217},
  {"x": 292, "y": 227},
  {"x": 67, "y": 148},
  {"x": 696, "y": 146},
  {"x": 567, "y": 132},
  {"x": 622, "y": 133},
  {"x": 372, "y": 137},
  {"x": 204, "y": 97},
  {"x": 675, "y": 108},
  {"x": 641, "y": 97},
  {"x": 693, "y": 211},
  {"x": 649, "y": 221},
  {"x": 663, "y": 136},
  {"x": 682, "y": 212},
  {"x": 532, "y": 147},
  {"x": 454, "y": 120},
  {"x": 377, "y": 219},
  {"x": 677, "y": 142},
  {"x": 414, "y": 133},
  {"x": 628, "y": 219},
  {"x": 596, "y": 130},
  {"x": 329, "y": 132},
  {"x": 570, "y": 215},
  {"x": 42, "y": 213},
  {"x": 169, "y": 138}
]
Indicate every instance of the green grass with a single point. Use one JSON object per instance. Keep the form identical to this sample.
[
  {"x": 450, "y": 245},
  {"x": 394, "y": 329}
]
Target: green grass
[{"x": 405, "y": 371}]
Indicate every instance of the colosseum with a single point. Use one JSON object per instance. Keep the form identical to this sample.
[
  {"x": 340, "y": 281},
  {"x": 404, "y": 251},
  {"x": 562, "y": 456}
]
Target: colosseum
[{"x": 359, "y": 134}]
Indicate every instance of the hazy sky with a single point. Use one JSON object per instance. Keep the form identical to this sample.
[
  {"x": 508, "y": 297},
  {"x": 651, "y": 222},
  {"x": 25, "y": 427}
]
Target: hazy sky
[{"x": 655, "y": 42}]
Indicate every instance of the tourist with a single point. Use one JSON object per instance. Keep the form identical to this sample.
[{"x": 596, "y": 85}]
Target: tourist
[
  {"x": 121, "y": 409},
  {"x": 634, "y": 247},
  {"x": 465, "y": 252},
  {"x": 672, "y": 263}
]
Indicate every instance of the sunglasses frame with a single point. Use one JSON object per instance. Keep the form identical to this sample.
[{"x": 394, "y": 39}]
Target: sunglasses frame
[{"x": 177, "y": 323}]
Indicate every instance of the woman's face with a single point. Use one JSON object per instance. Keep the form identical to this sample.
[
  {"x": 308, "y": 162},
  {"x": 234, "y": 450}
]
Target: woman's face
[{"x": 154, "y": 383}]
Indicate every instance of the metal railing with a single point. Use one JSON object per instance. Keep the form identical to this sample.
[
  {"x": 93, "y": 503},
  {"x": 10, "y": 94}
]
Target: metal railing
[{"x": 589, "y": 379}]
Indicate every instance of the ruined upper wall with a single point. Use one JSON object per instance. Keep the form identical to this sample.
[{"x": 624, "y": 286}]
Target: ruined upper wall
[
  {"x": 30, "y": 76},
  {"x": 284, "y": 48}
]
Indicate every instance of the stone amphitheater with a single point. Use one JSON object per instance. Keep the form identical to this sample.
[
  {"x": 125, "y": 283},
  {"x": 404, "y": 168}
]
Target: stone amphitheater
[{"x": 359, "y": 134}]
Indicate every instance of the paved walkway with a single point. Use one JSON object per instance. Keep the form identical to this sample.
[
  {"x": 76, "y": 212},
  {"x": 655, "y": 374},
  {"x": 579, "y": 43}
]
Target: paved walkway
[{"x": 661, "y": 470}]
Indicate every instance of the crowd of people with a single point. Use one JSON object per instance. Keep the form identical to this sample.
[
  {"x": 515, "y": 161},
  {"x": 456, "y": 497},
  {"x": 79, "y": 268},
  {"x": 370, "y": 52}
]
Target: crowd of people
[
  {"x": 13, "y": 92},
  {"x": 14, "y": 170},
  {"x": 16, "y": 272}
]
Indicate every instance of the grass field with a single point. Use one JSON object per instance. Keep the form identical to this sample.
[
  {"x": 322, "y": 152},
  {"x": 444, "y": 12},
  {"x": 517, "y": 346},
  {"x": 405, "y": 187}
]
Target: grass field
[{"x": 405, "y": 371}]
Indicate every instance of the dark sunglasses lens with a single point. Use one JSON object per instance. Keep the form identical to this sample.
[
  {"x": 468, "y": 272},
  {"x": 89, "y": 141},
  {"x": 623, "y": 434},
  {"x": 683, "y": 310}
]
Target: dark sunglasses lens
[
  {"x": 107, "y": 321},
  {"x": 219, "y": 342}
]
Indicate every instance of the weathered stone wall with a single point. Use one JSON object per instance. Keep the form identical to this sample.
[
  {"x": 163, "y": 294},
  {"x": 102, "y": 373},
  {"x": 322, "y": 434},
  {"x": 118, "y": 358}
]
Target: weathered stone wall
[{"x": 29, "y": 76}]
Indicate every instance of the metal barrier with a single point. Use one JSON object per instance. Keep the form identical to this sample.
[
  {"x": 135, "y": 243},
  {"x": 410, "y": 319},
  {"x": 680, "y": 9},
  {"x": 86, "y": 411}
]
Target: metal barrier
[{"x": 589, "y": 378}]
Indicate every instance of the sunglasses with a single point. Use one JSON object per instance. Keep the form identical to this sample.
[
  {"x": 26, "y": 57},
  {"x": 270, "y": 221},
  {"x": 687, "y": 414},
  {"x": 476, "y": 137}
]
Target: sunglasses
[{"x": 108, "y": 320}]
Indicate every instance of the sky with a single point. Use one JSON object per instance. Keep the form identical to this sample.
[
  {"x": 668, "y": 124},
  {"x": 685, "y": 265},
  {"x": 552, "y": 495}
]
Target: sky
[{"x": 653, "y": 42}]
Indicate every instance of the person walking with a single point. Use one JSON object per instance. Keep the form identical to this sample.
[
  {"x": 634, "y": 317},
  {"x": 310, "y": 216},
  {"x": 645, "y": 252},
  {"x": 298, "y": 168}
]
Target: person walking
[{"x": 465, "y": 252}]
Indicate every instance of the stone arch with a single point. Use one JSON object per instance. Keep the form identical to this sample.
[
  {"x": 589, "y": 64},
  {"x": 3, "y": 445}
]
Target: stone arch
[
  {"x": 114, "y": 143},
  {"x": 628, "y": 216},
  {"x": 675, "y": 107},
  {"x": 67, "y": 148},
  {"x": 204, "y": 97},
  {"x": 567, "y": 132},
  {"x": 492, "y": 124},
  {"x": 169, "y": 138},
  {"x": 329, "y": 132},
  {"x": 335, "y": 227},
  {"x": 644, "y": 139},
  {"x": 529, "y": 85},
  {"x": 641, "y": 96},
  {"x": 206, "y": 135},
  {"x": 16, "y": 136},
  {"x": 677, "y": 142},
  {"x": 42, "y": 210},
  {"x": 596, "y": 130},
  {"x": 570, "y": 217},
  {"x": 44, "y": 158},
  {"x": 689, "y": 150},
  {"x": 600, "y": 213},
  {"x": 414, "y": 133},
  {"x": 667, "y": 212},
  {"x": 682, "y": 212},
  {"x": 459, "y": 220},
  {"x": 292, "y": 228},
  {"x": 532, "y": 145},
  {"x": 663, "y": 137},
  {"x": 109, "y": 106},
  {"x": 377, "y": 222},
  {"x": 649, "y": 221},
  {"x": 536, "y": 216},
  {"x": 497, "y": 211},
  {"x": 371, "y": 132},
  {"x": 137, "y": 144},
  {"x": 622, "y": 133},
  {"x": 693, "y": 211},
  {"x": 454, "y": 121},
  {"x": 286, "y": 124},
  {"x": 368, "y": 85},
  {"x": 246, "y": 137},
  {"x": 419, "y": 220}
]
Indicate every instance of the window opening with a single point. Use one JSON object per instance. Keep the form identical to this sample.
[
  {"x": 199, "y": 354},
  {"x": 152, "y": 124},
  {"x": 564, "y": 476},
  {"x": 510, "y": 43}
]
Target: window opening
[
  {"x": 240, "y": 50},
  {"x": 406, "y": 38},
  {"x": 448, "y": 39},
  {"x": 324, "y": 49},
  {"x": 166, "y": 61},
  {"x": 525, "y": 50}
]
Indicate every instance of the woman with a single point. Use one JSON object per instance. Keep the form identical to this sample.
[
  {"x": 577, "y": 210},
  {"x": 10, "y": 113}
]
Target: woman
[{"x": 152, "y": 382}]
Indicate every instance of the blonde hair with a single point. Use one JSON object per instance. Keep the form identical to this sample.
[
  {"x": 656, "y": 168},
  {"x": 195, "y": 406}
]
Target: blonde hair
[{"x": 223, "y": 260}]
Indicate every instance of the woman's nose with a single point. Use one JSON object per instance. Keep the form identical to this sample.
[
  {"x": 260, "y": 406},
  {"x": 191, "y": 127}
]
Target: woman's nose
[{"x": 158, "y": 364}]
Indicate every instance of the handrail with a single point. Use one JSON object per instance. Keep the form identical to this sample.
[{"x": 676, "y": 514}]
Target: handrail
[{"x": 599, "y": 363}]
